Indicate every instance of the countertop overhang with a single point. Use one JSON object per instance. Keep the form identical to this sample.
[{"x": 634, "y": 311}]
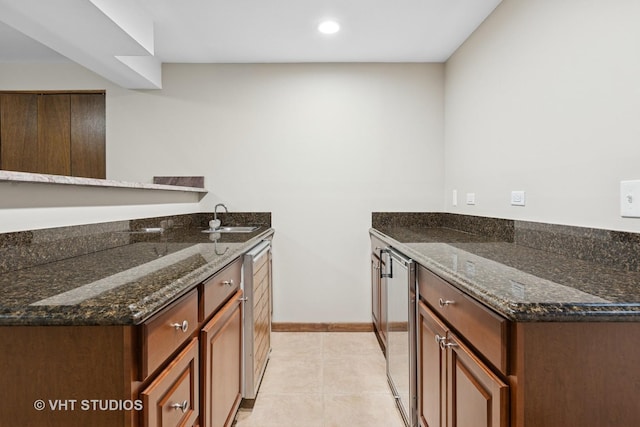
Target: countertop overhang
[
  {"x": 124, "y": 285},
  {"x": 518, "y": 282}
]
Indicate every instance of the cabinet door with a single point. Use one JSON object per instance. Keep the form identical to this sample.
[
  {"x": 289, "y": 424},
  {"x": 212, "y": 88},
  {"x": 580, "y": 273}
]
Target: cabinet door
[
  {"x": 54, "y": 134},
  {"x": 221, "y": 370},
  {"x": 172, "y": 400},
  {"x": 88, "y": 135},
  {"x": 431, "y": 369},
  {"x": 476, "y": 396},
  {"x": 19, "y": 132}
]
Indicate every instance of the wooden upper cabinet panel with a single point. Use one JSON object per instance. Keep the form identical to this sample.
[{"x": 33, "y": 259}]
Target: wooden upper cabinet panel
[
  {"x": 19, "y": 132},
  {"x": 54, "y": 135},
  {"x": 88, "y": 135}
]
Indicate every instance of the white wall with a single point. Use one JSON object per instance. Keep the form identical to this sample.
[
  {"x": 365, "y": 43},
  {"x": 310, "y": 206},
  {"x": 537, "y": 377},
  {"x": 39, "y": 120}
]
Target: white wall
[
  {"x": 545, "y": 97},
  {"x": 320, "y": 146}
]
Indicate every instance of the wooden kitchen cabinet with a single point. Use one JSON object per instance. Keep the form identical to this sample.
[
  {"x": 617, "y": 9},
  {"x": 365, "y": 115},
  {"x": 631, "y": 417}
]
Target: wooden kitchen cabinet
[
  {"x": 462, "y": 357},
  {"x": 19, "y": 132},
  {"x": 67, "y": 364},
  {"x": 53, "y": 133},
  {"x": 165, "y": 332},
  {"x": 219, "y": 288},
  {"x": 478, "y": 368},
  {"x": 475, "y": 395},
  {"x": 221, "y": 340},
  {"x": 575, "y": 374},
  {"x": 432, "y": 367},
  {"x": 181, "y": 366},
  {"x": 88, "y": 136},
  {"x": 456, "y": 388},
  {"x": 492, "y": 372},
  {"x": 487, "y": 331},
  {"x": 172, "y": 399},
  {"x": 221, "y": 346}
]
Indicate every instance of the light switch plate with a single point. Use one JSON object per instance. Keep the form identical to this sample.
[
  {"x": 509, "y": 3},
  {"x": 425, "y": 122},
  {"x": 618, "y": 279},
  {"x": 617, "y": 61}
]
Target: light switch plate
[
  {"x": 630, "y": 199},
  {"x": 517, "y": 198}
]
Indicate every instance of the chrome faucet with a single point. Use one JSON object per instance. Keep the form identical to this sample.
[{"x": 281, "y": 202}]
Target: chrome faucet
[{"x": 215, "y": 211}]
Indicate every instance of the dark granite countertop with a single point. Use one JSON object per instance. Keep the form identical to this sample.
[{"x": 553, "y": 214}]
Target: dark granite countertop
[
  {"x": 520, "y": 282},
  {"x": 122, "y": 285}
]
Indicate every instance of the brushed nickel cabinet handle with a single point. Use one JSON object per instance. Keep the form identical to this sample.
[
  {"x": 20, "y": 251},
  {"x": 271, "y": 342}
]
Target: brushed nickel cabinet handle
[
  {"x": 182, "y": 406},
  {"x": 228, "y": 282},
  {"x": 445, "y": 303},
  {"x": 184, "y": 326},
  {"x": 445, "y": 345}
]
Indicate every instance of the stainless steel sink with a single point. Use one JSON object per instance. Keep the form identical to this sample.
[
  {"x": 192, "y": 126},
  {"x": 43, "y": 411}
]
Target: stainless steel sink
[{"x": 232, "y": 229}]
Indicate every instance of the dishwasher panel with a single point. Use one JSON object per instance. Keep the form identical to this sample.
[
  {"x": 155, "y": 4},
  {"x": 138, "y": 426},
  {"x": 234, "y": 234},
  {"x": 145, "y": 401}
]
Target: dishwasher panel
[{"x": 256, "y": 328}]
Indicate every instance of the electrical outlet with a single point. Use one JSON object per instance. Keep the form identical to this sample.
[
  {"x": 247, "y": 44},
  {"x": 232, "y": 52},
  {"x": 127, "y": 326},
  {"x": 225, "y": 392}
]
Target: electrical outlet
[
  {"x": 471, "y": 198},
  {"x": 517, "y": 198}
]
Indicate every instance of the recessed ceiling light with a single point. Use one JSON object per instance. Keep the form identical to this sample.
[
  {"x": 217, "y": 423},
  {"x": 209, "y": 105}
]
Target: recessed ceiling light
[{"x": 329, "y": 27}]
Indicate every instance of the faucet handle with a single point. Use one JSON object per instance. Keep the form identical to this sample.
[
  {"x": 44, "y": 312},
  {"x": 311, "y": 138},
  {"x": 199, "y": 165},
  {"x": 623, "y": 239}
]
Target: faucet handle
[{"x": 214, "y": 224}]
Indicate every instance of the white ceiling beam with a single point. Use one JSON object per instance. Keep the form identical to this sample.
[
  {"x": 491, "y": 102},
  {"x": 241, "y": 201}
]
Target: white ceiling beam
[
  {"x": 83, "y": 33},
  {"x": 148, "y": 67},
  {"x": 131, "y": 18}
]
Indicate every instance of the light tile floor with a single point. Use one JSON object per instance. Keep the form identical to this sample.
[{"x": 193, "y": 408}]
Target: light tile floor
[{"x": 323, "y": 379}]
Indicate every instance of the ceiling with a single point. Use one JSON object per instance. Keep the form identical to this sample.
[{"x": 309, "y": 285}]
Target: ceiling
[{"x": 126, "y": 41}]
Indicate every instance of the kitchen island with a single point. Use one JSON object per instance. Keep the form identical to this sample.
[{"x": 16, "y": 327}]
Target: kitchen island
[
  {"x": 516, "y": 335},
  {"x": 102, "y": 324}
]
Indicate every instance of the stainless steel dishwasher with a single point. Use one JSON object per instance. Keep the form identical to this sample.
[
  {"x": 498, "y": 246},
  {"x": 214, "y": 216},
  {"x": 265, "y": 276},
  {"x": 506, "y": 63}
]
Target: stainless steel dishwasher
[
  {"x": 256, "y": 318},
  {"x": 399, "y": 272}
]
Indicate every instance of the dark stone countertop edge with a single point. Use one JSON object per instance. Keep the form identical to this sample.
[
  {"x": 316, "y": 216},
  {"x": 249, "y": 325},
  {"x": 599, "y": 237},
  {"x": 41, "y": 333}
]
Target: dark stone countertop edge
[
  {"x": 521, "y": 312},
  {"x": 146, "y": 308}
]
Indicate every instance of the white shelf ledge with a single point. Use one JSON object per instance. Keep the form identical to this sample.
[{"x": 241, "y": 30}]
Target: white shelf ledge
[{"x": 38, "y": 178}]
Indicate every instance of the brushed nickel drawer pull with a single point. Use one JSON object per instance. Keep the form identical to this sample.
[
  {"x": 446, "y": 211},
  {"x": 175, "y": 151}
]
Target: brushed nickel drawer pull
[
  {"x": 184, "y": 326},
  {"x": 445, "y": 303},
  {"x": 182, "y": 406},
  {"x": 228, "y": 282},
  {"x": 440, "y": 339},
  {"x": 445, "y": 345}
]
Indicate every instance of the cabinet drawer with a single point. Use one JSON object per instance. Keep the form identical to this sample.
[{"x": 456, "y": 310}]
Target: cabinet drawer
[
  {"x": 164, "y": 333},
  {"x": 220, "y": 287},
  {"x": 481, "y": 327},
  {"x": 172, "y": 399}
]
